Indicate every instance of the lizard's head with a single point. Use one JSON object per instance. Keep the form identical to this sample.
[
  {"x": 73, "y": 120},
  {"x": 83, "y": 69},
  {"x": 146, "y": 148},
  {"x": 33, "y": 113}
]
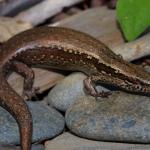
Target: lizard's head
[
  {"x": 124, "y": 75},
  {"x": 134, "y": 79}
]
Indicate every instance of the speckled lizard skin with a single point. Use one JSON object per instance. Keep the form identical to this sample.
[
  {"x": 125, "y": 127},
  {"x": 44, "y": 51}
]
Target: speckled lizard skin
[{"x": 64, "y": 49}]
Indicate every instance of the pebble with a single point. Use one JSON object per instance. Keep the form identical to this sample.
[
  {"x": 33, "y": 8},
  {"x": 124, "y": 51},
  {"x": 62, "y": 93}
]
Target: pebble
[
  {"x": 67, "y": 141},
  {"x": 47, "y": 123},
  {"x": 147, "y": 68},
  {"x": 69, "y": 90},
  {"x": 122, "y": 117},
  {"x": 10, "y": 147}
]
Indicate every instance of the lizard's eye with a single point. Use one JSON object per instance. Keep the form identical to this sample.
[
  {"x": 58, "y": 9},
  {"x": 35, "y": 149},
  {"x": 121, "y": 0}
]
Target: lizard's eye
[{"x": 138, "y": 87}]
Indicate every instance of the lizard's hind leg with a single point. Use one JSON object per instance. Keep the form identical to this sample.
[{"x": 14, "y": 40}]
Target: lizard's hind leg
[{"x": 28, "y": 90}]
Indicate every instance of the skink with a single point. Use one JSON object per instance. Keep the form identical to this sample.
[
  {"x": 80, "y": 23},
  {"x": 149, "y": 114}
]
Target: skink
[{"x": 65, "y": 49}]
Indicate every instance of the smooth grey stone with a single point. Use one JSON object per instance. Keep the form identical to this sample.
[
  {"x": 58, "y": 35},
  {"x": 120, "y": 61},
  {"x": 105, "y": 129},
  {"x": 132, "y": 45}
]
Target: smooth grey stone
[
  {"x": 66, "y": 92},
  {"x": 10, "y": 147},
  {"x": 147, "y": 68},
  {"x": 121, "y": 117},
  {"x": 47, "y": 123},
  {"x": 68, "y": 141}
]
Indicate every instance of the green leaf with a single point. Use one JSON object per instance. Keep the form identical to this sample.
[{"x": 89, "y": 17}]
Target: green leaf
[{"x": 133, "y": 16}]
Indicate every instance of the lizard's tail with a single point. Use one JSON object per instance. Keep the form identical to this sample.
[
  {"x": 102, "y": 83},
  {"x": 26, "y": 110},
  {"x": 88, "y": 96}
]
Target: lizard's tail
[{"x": 16, "y": 106}]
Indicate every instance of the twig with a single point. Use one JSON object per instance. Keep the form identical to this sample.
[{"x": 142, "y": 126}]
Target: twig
[
  {"x": 44, "y": 10},
  {"x": 135, "y": 49},
  {"x": 12, "y": 7}
]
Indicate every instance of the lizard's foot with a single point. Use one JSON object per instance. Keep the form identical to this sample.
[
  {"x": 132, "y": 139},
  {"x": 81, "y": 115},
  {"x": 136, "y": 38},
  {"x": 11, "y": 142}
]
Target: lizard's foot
[
  {"x": 103, "y": 94},
  {"x": 28, "y": 94},
  {"x": 91, "y": 89}
]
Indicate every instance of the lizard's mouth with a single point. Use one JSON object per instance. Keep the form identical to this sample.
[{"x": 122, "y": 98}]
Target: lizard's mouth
[
  {"x": 130, "y": 84},
  {"x": 137, "y": 86}
]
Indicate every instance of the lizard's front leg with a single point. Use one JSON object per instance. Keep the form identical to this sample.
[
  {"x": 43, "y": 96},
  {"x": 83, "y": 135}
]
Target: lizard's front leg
[
  {"x": 90, "y": 86},
  {"x": 28, "y": 74}
]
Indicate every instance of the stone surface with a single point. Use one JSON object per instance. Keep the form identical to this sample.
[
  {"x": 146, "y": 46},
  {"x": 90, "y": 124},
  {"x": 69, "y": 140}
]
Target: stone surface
[
  {"x": 34, "y": 147},
  {"x": 7, "y": 30},
  {"x": 68, "y": 141},
  {"x": 47, "y": 123},
  {"x": 69, "y": 90},
  {"x": 122, "y": 117}
]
